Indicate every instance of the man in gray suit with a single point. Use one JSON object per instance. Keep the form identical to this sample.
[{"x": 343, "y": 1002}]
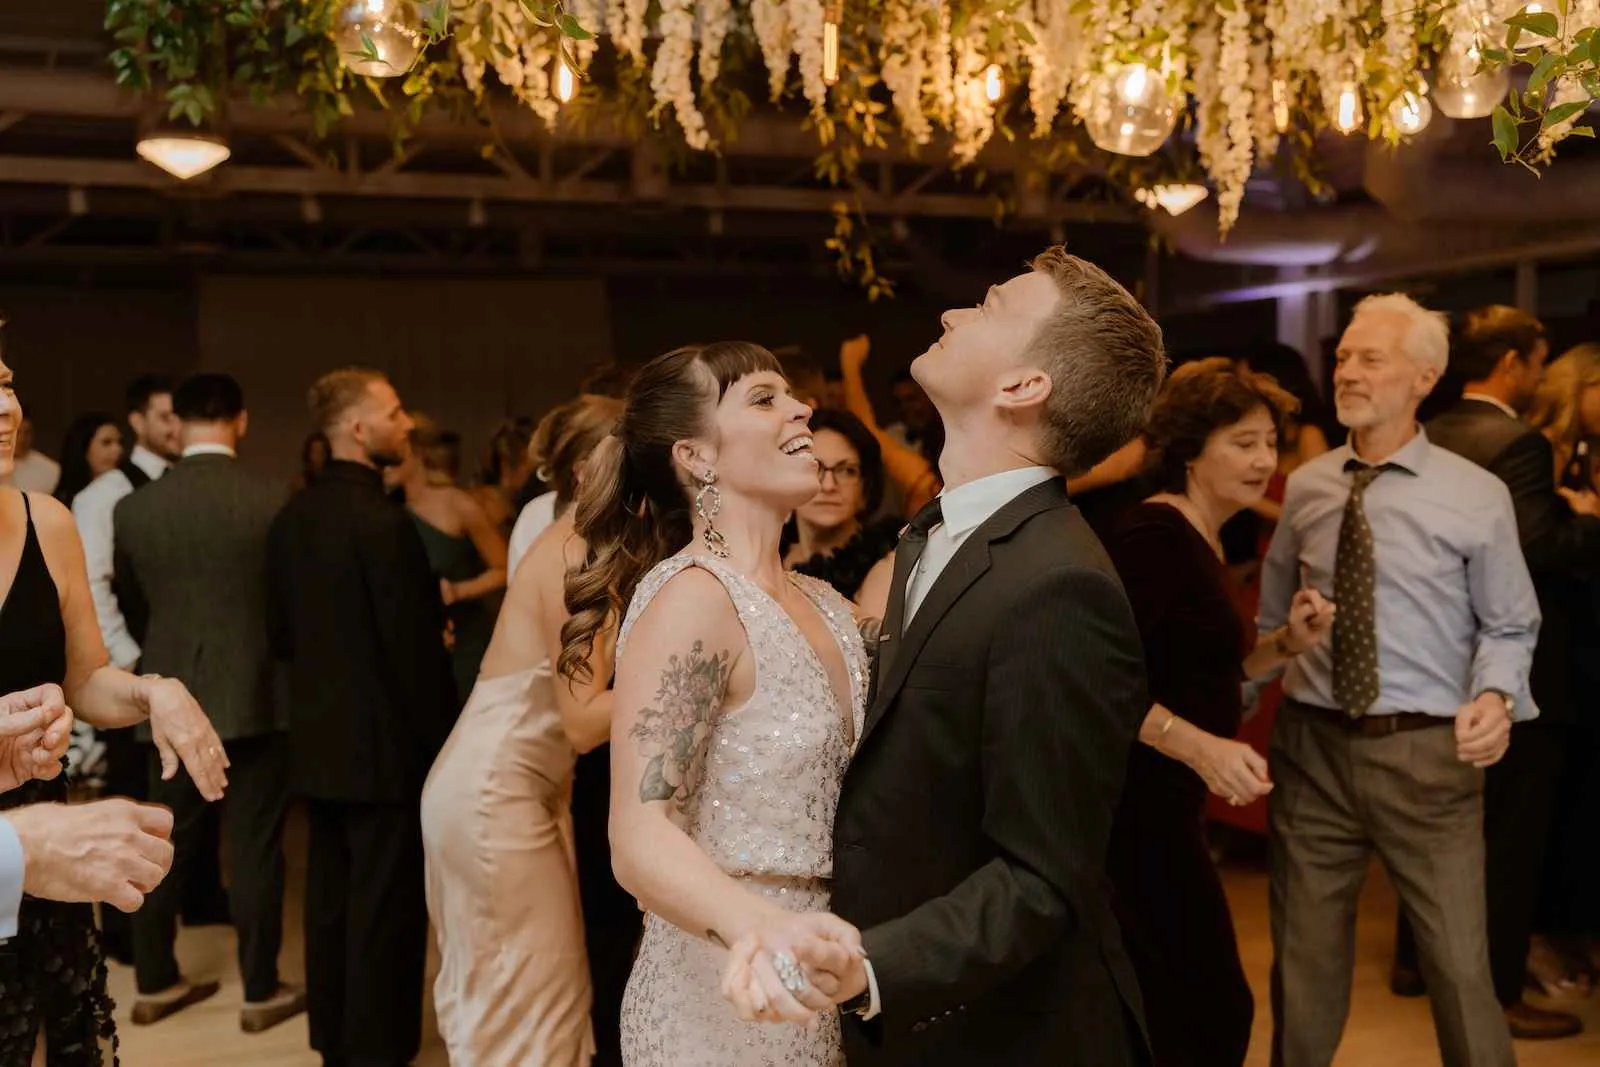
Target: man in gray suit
[{"x": 191, "y": 554}]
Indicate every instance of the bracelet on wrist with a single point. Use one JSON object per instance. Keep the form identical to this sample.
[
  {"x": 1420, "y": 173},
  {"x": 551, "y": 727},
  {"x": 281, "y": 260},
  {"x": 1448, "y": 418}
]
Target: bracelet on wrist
[{"x": 1281, "y": 645}]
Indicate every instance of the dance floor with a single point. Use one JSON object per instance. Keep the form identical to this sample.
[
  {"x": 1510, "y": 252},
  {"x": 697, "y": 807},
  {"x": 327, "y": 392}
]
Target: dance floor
[{"x": 1383, "y": 1031}]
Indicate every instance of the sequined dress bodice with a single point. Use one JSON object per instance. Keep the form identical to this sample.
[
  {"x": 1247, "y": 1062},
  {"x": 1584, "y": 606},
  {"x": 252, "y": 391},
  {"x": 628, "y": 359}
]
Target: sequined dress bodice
[{"x": 762, "y": 809}]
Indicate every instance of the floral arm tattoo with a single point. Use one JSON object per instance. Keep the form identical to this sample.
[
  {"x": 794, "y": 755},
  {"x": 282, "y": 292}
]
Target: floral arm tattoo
[{"x": 672, "y": 732}]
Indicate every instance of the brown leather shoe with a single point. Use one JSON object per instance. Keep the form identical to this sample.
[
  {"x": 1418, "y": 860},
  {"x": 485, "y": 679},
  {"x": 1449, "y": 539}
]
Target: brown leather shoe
[
  {"x": 284, "y": 1005},
  {"x": 147, "y": 1010},
  {"x": 1537, "y": 1024}
]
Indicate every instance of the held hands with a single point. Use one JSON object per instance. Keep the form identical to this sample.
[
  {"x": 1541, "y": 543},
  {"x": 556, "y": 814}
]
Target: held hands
[
  {"x": 1233, "y": 770},
  {"x": 1483, "y": 731},
  {"x": 35, "y": 727},
  {"x": 794, "y": 968},
  {"x": 182, "y": 733},
  {"x": 1310, "y": 618}
]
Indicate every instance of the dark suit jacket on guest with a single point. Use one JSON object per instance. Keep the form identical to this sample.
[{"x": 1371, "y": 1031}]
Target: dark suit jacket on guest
[
  {"x": 972, "y": 828},
  {"x": 355, "y": 610},
  {"x": 190, "y": 555},
  {"x": 1558, "y": 544}
]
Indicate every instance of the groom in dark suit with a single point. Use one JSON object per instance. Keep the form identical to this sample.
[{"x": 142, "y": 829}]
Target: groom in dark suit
[{"x": 970, "y": 839}]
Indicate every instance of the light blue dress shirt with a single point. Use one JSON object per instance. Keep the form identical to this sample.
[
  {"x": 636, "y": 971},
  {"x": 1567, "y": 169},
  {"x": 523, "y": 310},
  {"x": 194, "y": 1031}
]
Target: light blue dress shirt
[
  {"x": 1456, "y": 611},
  {"x": 10, "y": 879}
]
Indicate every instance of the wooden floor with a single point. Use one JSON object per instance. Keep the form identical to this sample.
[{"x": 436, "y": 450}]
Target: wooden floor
[{"x": 1383, "y": 1031}]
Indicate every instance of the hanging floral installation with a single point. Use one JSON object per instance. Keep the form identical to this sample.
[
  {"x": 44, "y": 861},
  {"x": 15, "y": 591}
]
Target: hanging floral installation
[{"x": 1212, "y": 88}]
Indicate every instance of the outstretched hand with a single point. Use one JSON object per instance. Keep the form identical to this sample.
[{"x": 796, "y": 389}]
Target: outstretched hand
[
  {"x": 35, "y": 729},
  {"x": 853, "y": 353},
  {"x": 183, "y": 734},
  {"x": 794, "y": 968}
]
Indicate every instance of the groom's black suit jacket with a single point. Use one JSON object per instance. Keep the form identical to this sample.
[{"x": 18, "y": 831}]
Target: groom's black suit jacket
[{"x": 971, "y": 833}]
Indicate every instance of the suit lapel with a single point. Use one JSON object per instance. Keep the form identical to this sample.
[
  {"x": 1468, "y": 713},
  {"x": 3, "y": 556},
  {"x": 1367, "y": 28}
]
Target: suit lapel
[{"x": 897, "y": 654}]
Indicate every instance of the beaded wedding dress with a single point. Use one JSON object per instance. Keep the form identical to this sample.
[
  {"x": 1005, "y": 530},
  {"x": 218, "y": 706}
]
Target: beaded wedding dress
[{"x": 763, "y": 811}]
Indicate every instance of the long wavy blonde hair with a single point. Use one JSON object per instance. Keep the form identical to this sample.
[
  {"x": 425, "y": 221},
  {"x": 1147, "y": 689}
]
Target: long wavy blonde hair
[{"x": 1556, "y": 410}]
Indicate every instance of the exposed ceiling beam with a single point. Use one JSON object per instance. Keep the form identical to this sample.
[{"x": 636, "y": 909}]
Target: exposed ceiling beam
[
  {"x": 1572, "y": 246},
  {"x": 762, "y": 134},
  {"x": 91, "y": 173}
]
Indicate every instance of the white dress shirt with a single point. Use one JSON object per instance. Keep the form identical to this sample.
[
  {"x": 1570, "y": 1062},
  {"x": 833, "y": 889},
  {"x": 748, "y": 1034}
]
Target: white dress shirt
[
  {"x": 11, "y": 871},
  {"x": 93, "y": 509},
  {"x": 204, "y": 449},
  {"x": 35, "y": 473},
  {"x": 962, "y": 509},
  {"x": 536, "y": 516}
]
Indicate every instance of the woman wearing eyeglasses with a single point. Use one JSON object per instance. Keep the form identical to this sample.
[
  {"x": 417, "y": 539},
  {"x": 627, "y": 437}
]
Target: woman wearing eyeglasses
[{"x": 834, "y": 537}]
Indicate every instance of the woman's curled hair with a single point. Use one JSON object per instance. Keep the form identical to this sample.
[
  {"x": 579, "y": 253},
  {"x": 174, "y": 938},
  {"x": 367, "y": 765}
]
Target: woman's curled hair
[
  {"x": 633, "y": 508},
  {"x": 1199, "y": 399}
]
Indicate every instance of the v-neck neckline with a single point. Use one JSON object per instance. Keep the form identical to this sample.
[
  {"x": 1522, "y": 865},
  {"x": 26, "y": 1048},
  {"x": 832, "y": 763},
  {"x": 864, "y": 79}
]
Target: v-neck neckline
[{"x": 846, "y": 707}]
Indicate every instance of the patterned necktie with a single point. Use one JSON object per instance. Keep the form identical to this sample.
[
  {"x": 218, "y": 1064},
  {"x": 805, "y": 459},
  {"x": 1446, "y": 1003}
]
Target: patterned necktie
[{"x": 1355, "y": 626}]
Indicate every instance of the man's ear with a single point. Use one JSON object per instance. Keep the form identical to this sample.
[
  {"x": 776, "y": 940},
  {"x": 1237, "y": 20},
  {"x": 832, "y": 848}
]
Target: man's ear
[{"x": 1028, "y": 387}]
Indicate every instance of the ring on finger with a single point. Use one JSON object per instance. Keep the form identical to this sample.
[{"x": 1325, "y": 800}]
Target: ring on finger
[{"x": 790, "y": 973}]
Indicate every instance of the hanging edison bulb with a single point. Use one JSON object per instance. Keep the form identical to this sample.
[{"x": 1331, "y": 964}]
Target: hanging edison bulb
[
  {"x": 378, "y": 38},
  {"x": 1463, "y": 86},
  {"x": 1130, "y": 111},
  {"x": 1280, "y": 105},
  {"x": 994, "y": 83},
  {"x": 1410, "y": 113},
  {"x": 1348, "y": 114},
  {"x": 566, "y": 81},
  {"x": 830, "y": 42}
]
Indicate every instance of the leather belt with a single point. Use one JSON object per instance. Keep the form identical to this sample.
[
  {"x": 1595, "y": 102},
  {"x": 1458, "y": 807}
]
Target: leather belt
[{"x": 1375, "y": 725}]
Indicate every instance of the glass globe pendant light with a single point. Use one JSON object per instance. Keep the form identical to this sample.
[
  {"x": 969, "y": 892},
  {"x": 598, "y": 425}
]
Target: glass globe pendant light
[
  {"x": 378, "y": 38},
  {"x": 1463, "y": 87},
  {"x": 1410, "y": 113},
  {"x": 1130, "y": 111}
]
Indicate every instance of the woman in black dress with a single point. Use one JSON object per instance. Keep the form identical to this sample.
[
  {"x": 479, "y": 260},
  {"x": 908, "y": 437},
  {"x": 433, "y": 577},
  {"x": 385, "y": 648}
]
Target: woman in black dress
[
  {"x": 1212, "y": 447},
  {"x": 52, "y": 974},
  {"x": 834, "y": 537}
]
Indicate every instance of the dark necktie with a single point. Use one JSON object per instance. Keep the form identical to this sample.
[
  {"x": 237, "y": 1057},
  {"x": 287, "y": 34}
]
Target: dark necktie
[
  {"x": 1355, "y": 626},
  {"x": 912, "y": 543}
]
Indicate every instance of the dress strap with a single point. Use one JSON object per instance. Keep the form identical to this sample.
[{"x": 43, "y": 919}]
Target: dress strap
[{"x": 662, "y": 573}]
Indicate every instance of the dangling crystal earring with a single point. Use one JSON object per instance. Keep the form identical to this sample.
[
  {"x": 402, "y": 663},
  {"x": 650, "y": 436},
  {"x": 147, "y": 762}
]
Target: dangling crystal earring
[{"x": 707, "y": 502}]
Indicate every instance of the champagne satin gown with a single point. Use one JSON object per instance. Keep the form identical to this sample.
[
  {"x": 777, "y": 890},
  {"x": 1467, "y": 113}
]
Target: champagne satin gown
[
  {"x": 513, "y": 985},
  {"x": 763, "y": 811}
]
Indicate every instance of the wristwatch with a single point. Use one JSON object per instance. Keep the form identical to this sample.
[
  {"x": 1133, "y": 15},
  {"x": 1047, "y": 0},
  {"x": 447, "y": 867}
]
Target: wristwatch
[
  {"x": 859, "y": 1004},
  {"x": 1511, "y": 704}
]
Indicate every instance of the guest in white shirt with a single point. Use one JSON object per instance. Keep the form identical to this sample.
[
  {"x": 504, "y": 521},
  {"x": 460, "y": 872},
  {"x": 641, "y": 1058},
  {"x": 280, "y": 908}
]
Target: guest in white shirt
[
  {"x": 92, "y": 446},
  {"x": 34, "y": 472},
  {"x": 562, "y": 440},
  {"x": 156, "y": 445}
]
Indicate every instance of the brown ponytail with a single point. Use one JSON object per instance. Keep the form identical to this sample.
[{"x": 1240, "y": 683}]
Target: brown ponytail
[{"x": 633, "y": 507}]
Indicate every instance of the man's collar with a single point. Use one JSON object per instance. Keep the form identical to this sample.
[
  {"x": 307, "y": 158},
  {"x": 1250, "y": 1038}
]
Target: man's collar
[
  {"x": 208, "y": 449},
  {"x": 1485, "y": 398},
  {"x": 969, "y": 506},
  {"x": 1411, "y": 457},
  {"x": 147, "y": 461},
  {"x": 345, "y": 470}
]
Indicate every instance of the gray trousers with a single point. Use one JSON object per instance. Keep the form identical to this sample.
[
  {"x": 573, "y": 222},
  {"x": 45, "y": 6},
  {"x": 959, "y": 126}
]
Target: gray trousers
[{"x": 1339, "y": 797}]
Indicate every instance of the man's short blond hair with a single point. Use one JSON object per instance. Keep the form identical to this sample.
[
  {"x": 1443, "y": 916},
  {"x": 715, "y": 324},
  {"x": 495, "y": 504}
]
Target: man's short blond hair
[
  {"x": 335, "y": 393},
  {"x": 1105, "y": 358}
]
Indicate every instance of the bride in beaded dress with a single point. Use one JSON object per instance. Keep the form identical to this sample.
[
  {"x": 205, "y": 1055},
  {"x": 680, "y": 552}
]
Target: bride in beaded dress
[{"x": 740, "y": 690}]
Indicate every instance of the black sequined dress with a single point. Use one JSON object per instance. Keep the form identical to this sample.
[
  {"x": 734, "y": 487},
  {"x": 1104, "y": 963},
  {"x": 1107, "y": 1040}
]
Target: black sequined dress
[{"x": 52, "y": 974}]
